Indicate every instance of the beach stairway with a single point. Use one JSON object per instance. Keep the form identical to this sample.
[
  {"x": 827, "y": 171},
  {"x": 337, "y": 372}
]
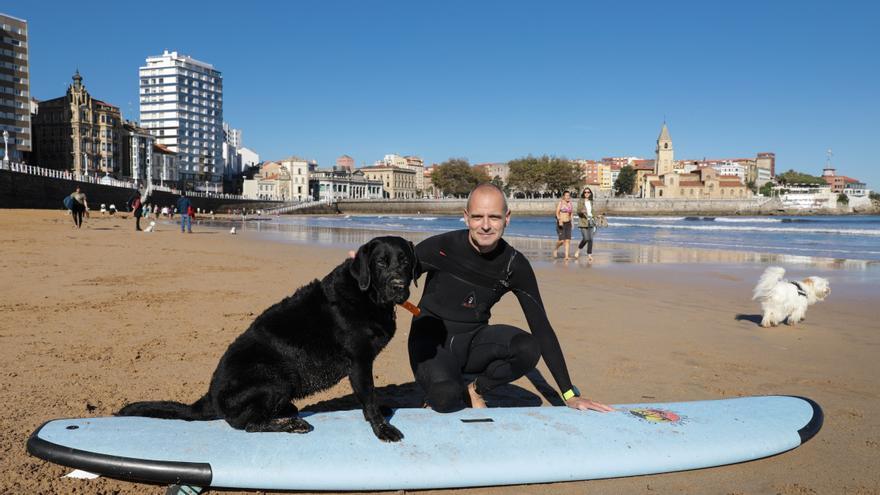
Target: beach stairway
[{"x": 299, "y": 206}]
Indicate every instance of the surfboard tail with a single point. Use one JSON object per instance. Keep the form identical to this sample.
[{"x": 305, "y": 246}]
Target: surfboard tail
[{"x": 165, "y": 409}]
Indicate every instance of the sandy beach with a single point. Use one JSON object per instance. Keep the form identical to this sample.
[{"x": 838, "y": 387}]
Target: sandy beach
[{"x": 98, "y": 317}]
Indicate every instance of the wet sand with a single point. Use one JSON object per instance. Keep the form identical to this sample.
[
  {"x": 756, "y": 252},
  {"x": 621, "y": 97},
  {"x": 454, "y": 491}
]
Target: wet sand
[{"x": 98, "y": 317}]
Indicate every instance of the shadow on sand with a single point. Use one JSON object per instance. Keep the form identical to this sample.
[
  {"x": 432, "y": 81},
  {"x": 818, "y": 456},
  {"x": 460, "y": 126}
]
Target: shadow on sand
[
  {"x": 410, "y": 395},
  {"x": 756, "y": 319}
]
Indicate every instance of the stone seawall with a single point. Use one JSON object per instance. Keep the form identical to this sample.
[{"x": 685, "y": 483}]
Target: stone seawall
[
  {"x": 18, "y": 190},
  {"x": 610, "y": 206}
]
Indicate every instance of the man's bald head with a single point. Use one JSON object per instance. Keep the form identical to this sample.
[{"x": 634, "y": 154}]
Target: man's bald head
[{"x": 487, "y": 188}]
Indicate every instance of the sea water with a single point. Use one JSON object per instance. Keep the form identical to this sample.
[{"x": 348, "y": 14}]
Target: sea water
[{"x": 833, "y": 237}]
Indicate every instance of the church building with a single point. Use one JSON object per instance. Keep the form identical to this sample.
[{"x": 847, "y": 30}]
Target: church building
[{"x": 703, "y": 183}]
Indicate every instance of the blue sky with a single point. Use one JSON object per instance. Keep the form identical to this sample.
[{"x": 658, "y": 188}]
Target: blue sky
[{"x": 496, "y": 80}]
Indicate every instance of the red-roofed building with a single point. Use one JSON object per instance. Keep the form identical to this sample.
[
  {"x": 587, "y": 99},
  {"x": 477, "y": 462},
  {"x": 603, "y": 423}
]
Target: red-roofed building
[
  {"x": 703, "y": 184},
  {"x": 843, "y": 184},
  {"x": 670, "y": 179}
]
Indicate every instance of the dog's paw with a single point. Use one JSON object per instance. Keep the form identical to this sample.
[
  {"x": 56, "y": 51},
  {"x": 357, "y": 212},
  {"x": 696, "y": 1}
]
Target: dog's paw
[
  {"x": 296, "y": 425},
  {"x": 293, "y": 424},
  {"x": 387, "y": 433}
]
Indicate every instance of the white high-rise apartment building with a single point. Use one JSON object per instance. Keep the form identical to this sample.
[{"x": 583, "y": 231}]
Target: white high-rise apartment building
[
  {"x": 233, "y": 136},
  {"x": 181, "y": 103},
  {"x": 231, "y": 157}
]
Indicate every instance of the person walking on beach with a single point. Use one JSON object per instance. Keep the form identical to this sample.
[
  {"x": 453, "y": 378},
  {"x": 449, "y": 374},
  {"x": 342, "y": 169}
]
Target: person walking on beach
[
  {"x": 138, "y": 208},
  {"x": 586, "y": 223},
  {"x": 183, "y": 207},
  {"x": 468, "y": 271},
  {"x": 79, "y": 207},
  {"x": 563, "y": 224}
]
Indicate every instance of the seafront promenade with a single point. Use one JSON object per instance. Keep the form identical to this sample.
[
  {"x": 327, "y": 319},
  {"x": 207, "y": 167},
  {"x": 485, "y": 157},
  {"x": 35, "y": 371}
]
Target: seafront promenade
[
  {"x": 23, "y": 186},
  {"x": 27, "y": 186},
  {"x": 609, "y": 206}
]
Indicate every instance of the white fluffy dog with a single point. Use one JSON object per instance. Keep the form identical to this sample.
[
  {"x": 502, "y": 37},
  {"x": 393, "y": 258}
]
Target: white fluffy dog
[
  {"x": 151, "y": 228},
  {"x": 785, "y": 301}
]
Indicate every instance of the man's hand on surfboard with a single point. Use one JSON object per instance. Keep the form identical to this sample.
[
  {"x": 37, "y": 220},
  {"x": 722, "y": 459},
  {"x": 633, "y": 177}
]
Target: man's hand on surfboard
[{"x": 584, "y": 404}]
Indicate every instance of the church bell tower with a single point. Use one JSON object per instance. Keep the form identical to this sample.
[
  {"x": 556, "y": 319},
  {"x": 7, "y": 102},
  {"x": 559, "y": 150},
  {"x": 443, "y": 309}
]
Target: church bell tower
[{"x": 664, "y": 158}]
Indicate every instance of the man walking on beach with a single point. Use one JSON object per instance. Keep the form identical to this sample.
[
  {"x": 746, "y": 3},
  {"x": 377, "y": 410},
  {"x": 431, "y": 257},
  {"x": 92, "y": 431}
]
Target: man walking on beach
[
  {"x": 468, "y": 272},
  {"x": 183, "y": 206},
  {"x": 79, "y": 207}
]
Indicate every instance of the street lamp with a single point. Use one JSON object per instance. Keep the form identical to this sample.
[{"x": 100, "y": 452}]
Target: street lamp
[{"x": 6, "y": 148}]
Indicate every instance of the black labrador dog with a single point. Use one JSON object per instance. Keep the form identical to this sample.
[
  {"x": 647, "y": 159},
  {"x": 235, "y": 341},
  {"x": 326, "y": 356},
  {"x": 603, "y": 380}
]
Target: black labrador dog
[{"x": 308, "y": 342}]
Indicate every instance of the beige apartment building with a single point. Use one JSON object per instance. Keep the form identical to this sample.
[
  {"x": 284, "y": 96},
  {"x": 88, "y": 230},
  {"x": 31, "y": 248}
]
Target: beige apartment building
[
  {"x": 298, "y": 171},
  {"x": 597, "y": 174},
  {"x": 417, "y": 165},
  {"x": 285, "y": 180},
  {"x": 397, "y": 182},
  {"x": 501, "y": 170},
  {"x": 271, "y": 182},
  {"x": 79, "y": 133}
]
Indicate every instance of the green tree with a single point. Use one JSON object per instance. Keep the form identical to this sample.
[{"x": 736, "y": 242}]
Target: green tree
[
  {"x": 793, "y": 177},
  {"x": 767, "y": 189},
  {"x": 626, "y": 181},
  {"x": 456, "y": 177},
  {"x": 526, "y": 175},
  {"x": 752, "y": 186},
  {"x": 843, "y": 199},
  {"x": 530, "y": 175},
  {"x": 562, "y": 175},
  {"x": 498, "y": 182}
]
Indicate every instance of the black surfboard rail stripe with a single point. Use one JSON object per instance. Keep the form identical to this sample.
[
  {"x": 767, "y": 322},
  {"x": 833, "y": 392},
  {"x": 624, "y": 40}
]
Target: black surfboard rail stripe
[
  {"x": 815, "y": 424},
  {"x": 125, "y": 468}
]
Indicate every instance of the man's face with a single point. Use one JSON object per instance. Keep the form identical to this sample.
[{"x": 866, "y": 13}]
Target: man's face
[{"x": 486, "y": 219}]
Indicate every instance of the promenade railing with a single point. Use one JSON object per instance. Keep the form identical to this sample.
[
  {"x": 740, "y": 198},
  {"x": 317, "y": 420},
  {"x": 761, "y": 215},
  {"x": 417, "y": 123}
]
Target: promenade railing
[{"x": 24, "y": 168}]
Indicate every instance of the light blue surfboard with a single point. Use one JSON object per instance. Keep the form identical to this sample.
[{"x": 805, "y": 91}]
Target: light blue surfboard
[{"x": 473, "y": 447}]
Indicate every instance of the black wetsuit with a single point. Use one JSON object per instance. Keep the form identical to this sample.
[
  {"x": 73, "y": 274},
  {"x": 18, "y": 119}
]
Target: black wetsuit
[{"x": 453, "y": 335}]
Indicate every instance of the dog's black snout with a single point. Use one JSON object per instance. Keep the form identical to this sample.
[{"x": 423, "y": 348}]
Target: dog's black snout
[{"x": 397, "y": 283}]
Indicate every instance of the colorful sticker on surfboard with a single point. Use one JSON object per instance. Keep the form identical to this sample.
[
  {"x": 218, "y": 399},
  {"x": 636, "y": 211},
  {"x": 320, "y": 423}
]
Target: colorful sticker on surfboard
[{"x": 655, "y": 415}]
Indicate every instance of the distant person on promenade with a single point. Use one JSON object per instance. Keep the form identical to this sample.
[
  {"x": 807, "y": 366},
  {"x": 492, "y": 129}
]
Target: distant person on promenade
[
  {"x": 79, "y": 207},
  {"x": 137, "y": 207},
  {"x": 586, "y": 223},
  {"x": 563, "y": 224},
  {"x": 183, "y": 207},
  {"x": 468, "y": 271}
]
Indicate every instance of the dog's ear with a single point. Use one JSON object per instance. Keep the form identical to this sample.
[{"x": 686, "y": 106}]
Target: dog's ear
[
  {"x": 416, "y": 266},
  {"x": 360, "y": 266}
]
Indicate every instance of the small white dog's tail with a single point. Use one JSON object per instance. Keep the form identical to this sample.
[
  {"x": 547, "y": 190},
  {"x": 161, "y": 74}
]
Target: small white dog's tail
[{"x": 767, "y": 282}]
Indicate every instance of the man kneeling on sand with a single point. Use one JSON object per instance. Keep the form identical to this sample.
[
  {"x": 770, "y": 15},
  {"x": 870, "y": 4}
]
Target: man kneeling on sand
[{"x": 468, "y": 272}]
